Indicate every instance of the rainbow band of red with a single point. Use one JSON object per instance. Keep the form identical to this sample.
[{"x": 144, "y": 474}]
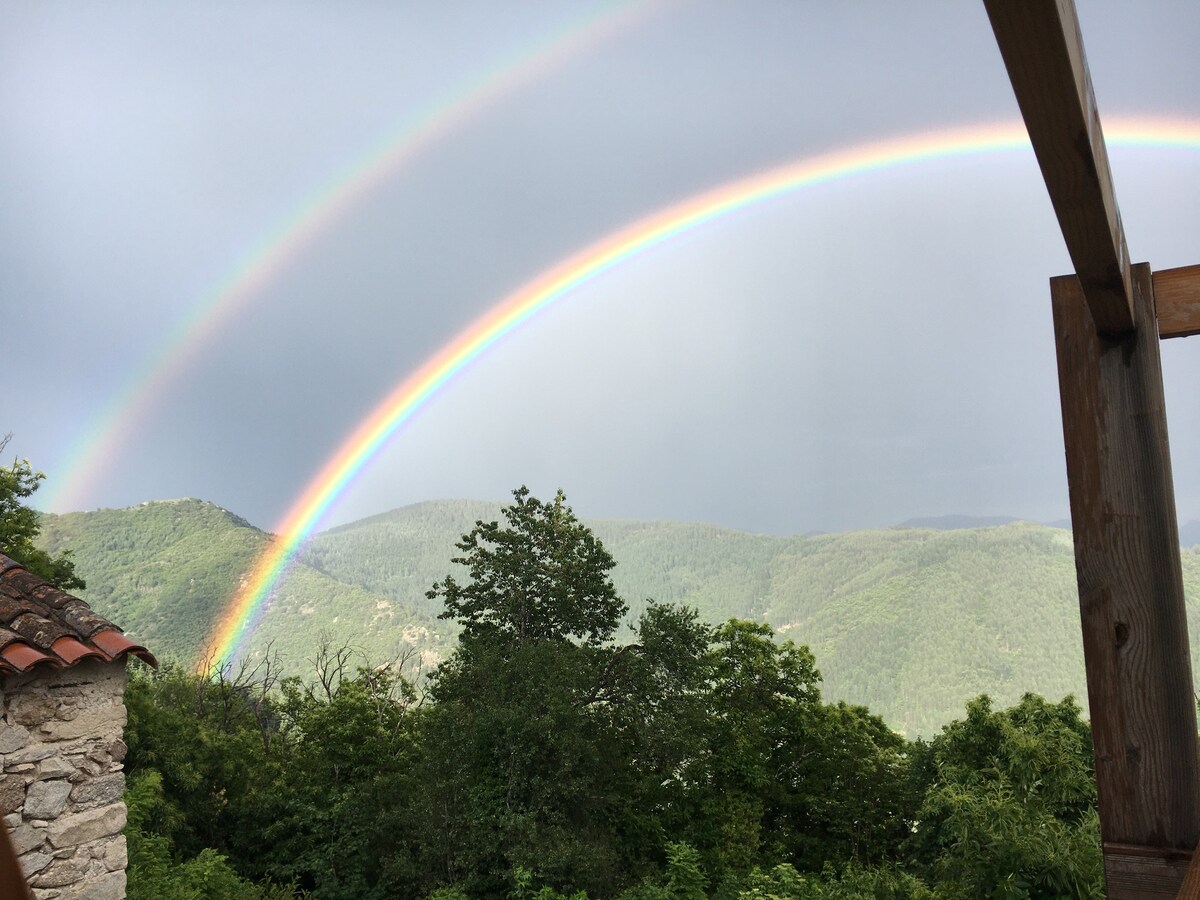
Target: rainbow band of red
[{"x": 236, "y": 623}]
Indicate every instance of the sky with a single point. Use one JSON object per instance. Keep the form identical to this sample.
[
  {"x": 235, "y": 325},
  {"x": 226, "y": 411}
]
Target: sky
[{"x": 850, "y": 355}]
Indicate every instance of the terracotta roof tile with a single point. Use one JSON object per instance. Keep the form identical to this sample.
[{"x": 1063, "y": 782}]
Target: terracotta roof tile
[
  {"x": 20, "y": 657},
  {"x": 113, "y": 642},
  {"x": 71, "y": 650},
  {"x": 7, "y": 637},
  {"x": 41, "y": 625}
]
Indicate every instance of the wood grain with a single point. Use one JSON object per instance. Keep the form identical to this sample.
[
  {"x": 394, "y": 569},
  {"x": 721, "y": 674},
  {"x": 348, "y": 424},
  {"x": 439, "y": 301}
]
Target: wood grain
[
  {"x": 1190, "y": 889},
  {"x": 1043, "y": 52},
  {"x": 1144, "y": 873},
  {"x": 1128, "y": 570},
  {"x": 1177, "y": 301}
]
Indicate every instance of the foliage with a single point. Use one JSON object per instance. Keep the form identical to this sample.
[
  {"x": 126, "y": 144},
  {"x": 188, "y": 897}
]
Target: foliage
[
  {"x": 155, "y": 874},
  {"x": 907, "y": 622},
  {"x": 20, "y": 526},
  {"x": 1009, "y": 803},
  {"x": 543, "y": 577},
  {"x": 525, "y": 723},
  {"x": 544, "y": 758},
  {"x": 685, "y": 878},
  {"x": 290, "y": 784},
  {"x": 851, "y": 882}
]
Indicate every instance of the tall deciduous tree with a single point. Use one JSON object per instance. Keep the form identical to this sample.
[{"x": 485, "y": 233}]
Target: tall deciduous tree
[
  {"x": 544, "y": 576},
  {"x": 528, "y": 753}
]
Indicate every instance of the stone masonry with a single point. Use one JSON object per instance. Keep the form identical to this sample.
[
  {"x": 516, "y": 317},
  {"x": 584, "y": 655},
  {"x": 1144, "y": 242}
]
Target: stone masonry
[{"x": 62, "y": 784}]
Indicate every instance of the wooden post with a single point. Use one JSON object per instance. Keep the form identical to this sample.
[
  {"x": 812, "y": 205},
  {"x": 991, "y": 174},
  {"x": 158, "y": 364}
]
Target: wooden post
[{"x": 1130, "y": 592}]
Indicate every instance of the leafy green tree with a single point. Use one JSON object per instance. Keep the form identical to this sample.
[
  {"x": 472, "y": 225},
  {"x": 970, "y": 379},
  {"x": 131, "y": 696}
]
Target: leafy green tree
[
  {"x": 154, "y": 871},
  {"x": 841, "y": 792},
  {"x": 309, "y": 785},
  {"x": 343, "y": 819},
  {"x": 201, "y": 739},
  {"x": 544, "y": 576},
  {"x": 20, "y": 526},
  {"x": 776, "y": 775},
  {"x": 850, "y": 882},
  {"x": 1009, "y": 803},
  {"x": 685, "y": 878},
  {"x": 661, "y": 707},
  {"x": 758, "y": 694},
  {"x": 524, "y": 743}
]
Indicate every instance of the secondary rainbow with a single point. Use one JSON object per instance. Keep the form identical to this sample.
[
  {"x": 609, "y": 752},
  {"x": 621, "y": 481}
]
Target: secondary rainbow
[
  {"x": 306, "y": 512},
  {"x": 98, "y": 445}
]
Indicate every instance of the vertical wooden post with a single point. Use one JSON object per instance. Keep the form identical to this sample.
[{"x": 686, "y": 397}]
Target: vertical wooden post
[{"x": 1130, "y": 592}]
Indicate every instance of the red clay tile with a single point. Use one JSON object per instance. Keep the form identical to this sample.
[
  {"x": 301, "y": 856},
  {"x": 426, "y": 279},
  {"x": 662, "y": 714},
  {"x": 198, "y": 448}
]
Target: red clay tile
[
  {"x": 22, "y": 657},
  {"x": 72, "y": 650},
  {"x": 114, "y": 644},
  {"x": 39, "y": 624}
]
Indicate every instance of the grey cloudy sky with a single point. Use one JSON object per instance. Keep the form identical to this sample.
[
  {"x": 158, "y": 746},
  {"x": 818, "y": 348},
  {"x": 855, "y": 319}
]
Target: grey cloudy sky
[{"x": 851, "y": 355}]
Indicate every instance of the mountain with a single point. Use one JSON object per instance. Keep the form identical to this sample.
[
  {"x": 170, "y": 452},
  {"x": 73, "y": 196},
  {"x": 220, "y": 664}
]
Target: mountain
[
  {"x": 164, "y": 571},
  {"x": 952, "y": 522},
  {"x": 1189, "y": 534},
  {"x": 908, "y": 621}
]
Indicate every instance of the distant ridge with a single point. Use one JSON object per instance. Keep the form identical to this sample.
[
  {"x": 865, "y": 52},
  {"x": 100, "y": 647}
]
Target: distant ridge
[
  {"x": 909, "y": 621},
  {"x": 953, "y": 523},
  {"x": 1189, "y": 532}
]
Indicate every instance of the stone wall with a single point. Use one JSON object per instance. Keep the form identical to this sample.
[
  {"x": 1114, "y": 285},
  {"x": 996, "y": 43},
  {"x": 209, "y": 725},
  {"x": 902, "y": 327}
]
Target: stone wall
[{"x": 62, "y": 783}]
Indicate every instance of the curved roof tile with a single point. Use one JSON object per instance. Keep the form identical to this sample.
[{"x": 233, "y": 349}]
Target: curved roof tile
[{"x": 41, "y": 625}]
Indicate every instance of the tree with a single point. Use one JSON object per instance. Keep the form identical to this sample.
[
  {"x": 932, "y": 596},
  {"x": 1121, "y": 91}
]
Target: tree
[
  {"x": 524, "y": 743},
  {"x": 1009, "y": 807},
  {"x": 543, "y": 577},
  {"x": 20, "y": 526},
  {"x": 760, "y": 692}
]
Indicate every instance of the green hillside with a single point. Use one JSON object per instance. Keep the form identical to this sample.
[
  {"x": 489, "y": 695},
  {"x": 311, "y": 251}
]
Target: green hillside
[
  {"x": 164, "y": 570},
  {"x": 909, "y": 621}
]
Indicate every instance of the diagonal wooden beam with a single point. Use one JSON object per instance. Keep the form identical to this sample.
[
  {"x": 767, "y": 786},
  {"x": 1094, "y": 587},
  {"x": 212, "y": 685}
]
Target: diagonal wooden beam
[
  {"x": 1177, "y": 298},
  {"x": 1043, "y": 52}
]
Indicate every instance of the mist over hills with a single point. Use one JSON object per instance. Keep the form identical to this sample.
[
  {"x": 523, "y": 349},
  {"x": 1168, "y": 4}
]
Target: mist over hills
[{"x": 910, "y": 621}]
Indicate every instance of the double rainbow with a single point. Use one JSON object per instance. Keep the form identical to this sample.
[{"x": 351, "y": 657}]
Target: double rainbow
[
  {"x": 237, "y": 622},
  {"x": 98, "y": 445}
]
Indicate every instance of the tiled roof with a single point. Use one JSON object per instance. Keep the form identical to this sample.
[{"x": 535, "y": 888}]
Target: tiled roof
[{"x": 43, "y": 626}]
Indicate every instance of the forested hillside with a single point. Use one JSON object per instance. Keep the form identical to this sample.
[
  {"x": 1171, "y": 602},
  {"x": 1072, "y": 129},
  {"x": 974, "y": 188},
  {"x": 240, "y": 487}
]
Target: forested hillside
[
  {"x": 908, "y": 621},
  {"x": 164, "y": 570},
  {"x": 544, "y": 759}
]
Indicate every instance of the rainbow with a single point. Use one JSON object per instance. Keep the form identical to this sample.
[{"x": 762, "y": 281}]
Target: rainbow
[
  {"x": 532, "y": 298},
  {"x": 98, "y": 445}
]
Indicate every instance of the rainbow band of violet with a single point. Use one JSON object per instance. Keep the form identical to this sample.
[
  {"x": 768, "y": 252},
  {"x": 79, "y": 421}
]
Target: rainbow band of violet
[{"x": 237, "y": 622}]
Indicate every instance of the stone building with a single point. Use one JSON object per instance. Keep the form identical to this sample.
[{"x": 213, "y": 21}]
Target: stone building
[{"x": 62, "y": 713}]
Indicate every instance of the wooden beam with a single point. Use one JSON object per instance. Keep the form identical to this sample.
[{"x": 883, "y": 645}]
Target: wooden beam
[
  {"x": 1190, "y": 889},
  {"x": 1177, "y": 301},
  {"x": 1043, "y": 52},
  {"x": 1145, "y": 873},
  {"x": 1127, "y": 564}
]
